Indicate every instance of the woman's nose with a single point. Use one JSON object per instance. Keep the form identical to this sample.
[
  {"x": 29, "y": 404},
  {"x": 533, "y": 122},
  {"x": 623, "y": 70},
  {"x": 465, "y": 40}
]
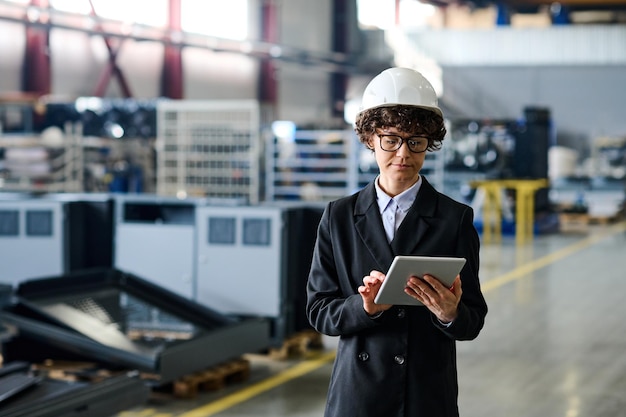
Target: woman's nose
[{"x": 403, "y": 149}]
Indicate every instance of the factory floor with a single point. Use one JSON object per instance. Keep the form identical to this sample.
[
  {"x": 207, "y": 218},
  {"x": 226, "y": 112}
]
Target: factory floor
[{"x": 554, "y": 342}]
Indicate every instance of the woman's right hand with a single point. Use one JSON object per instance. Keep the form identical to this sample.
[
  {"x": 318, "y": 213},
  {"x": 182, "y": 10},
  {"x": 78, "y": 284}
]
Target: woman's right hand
[{"x": 369, "y": 290}]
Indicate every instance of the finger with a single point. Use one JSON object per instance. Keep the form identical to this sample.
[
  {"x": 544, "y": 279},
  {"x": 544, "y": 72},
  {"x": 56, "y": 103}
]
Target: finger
[
  {"x": 377, "y": 275},
  {"x": 417, "y": 285},
  {"x": 371, "y": 281},
  {"x": 457, "y": 287},
  {"x": 434, "y": 283},
  {"x": 419, "y": 292},
  {"x": 414, "y": 289}
]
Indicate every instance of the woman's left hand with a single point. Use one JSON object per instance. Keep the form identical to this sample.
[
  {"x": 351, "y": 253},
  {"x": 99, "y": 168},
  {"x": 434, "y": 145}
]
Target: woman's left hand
[{"x": 439, "y": 299}]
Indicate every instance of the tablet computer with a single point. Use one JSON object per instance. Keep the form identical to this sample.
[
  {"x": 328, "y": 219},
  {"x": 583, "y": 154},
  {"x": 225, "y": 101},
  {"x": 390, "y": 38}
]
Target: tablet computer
[{"x": 445, "y": 269}]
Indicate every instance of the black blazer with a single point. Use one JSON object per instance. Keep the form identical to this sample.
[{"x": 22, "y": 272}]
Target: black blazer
[{"x": 403, "y": 362}]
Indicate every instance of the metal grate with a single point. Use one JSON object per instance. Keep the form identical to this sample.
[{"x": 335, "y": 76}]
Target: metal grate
[
  {"x": 208, "y": 149},
  {"x": 117, "y": 319}
]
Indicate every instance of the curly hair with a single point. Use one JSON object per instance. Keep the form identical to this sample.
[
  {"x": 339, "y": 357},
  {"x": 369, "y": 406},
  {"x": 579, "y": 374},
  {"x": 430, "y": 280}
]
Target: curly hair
[{"x": 409, "y": 119}]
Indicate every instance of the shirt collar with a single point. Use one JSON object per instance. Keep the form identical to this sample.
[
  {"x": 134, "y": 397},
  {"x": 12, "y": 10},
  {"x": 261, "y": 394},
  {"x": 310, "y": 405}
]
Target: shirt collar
[{"x": 404, "y": 200}]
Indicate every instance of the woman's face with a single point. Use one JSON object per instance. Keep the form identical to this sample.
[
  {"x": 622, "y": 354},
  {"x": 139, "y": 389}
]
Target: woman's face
[{"x": 399, "y": 169}]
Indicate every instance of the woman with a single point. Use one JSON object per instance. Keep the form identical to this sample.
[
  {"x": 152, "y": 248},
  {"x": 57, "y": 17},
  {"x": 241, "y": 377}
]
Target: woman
[{"x": 395, "y": 360}]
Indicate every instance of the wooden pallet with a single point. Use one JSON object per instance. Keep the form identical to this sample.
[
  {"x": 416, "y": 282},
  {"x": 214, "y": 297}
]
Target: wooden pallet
[
  {"x": 573, "y": 222},
  {"x": 73, "y": 371},
  {"x": 604, "y": 220},
  {"x": 298, "y": 344},
  {"x": 212, "y": 379}
]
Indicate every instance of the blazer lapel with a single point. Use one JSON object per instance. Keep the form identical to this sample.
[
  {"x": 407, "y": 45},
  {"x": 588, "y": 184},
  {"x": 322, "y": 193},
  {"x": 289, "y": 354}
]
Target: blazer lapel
[{"x": 369, "y": 226}]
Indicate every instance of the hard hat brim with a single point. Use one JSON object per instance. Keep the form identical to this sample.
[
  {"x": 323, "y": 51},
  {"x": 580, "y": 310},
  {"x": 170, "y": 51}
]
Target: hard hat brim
[{"x": 435, "y": 110}]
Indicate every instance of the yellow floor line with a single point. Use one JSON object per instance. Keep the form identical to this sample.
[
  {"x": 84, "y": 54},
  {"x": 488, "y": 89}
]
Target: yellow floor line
[
  {"x": 308, "y": 366},
  {"x": 147, "y": 412},
  {"x": 238, "y": 397},
  {"x": 531, "y": 266}
]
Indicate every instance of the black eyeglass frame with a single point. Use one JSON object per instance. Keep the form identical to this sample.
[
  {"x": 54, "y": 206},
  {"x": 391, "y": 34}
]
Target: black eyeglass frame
[{"x": 402, "y": 140}]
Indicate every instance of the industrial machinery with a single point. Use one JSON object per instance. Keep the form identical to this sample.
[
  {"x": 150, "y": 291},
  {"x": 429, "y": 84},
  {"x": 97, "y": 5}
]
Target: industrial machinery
[
  {"x": 27, "y": 394},
  {"x": 63, "y": 232},
  {"x": 254, "y": 261},
  {"x": 155, "y": 238},
  {"x": 217, "y": 251},
  {"x": 122, "y": 321},
  {"x": 506, "y": 148}
]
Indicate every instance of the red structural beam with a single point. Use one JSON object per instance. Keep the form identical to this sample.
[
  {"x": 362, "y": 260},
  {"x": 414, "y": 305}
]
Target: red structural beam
[
  {"x": 37, "y": 77},
  {"x": 341, "y": 35},
  {"x": 172, "y": 75},
  {"x": 268, "y": 87},
  {"x": 111, "y": 69}
]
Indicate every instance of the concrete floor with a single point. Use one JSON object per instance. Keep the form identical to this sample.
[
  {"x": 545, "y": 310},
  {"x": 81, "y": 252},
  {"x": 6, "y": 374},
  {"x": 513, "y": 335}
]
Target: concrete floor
[{"x": 554, "y": 343}]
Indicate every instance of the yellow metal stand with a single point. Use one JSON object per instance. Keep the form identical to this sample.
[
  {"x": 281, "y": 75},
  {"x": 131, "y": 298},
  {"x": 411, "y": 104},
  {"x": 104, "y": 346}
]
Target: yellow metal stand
[{"x": 524, "y": 206}]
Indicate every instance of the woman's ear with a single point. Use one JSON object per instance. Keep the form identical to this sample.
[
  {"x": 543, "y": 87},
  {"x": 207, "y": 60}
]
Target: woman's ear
[{"x": 368, "y": 144}]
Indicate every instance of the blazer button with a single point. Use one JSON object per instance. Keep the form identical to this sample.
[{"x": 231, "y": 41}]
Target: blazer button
[
  {"x": 363, "y": 356},
  {"x": 401, "y": 313},
  {"x": 399, "y": 359}
]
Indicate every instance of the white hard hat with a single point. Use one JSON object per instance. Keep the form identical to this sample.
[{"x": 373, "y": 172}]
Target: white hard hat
[{"x": 400, "y": 86}]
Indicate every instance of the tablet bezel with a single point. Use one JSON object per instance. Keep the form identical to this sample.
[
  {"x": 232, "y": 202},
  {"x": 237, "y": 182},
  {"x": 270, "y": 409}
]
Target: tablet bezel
[{"x": 445, "y": 269}]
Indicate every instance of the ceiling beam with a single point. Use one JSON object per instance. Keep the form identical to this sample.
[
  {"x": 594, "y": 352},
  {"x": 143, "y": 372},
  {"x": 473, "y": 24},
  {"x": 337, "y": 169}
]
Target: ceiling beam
[
  {"x": 326, "y": 61},
  {"x": 578, "y": 4},
  {"x": 591, "y": 4}
]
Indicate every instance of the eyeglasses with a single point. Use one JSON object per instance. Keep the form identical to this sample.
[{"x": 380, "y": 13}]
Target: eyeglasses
[{"x": 392, "y": 143}]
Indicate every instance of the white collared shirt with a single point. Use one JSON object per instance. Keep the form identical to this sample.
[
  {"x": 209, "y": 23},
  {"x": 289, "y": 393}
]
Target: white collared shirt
[{"x": 394, "y": 209}]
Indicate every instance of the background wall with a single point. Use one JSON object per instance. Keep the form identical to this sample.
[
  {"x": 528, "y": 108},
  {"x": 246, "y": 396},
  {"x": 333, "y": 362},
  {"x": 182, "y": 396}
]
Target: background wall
[
  {"x": 78, "y": 59},
  {"x": 11, "y": 55},
  {"x": 586, "y": 100}
]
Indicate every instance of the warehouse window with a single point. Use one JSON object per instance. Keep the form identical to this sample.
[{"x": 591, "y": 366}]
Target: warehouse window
[
  {"x": 382, "y": 13},
  {"x": 9, "y": 223},
  {"x": 143, "y": 12},
  {"x": 222, "y": 230},
  {"x": 39, "y": 223},
  {"x": 207, "y": 17},
  {"x": 257, "y": 232},
  {"x": 222, "y": 19}
]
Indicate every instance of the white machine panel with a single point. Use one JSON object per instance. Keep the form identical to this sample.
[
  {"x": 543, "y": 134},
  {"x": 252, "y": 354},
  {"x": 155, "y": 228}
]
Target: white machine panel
[
  {"x": 31, "y": 240},
  {"x": 239, "y": 259},
  {"x": 162, "y": 254},
  {"x": 155, "y": 240}
]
